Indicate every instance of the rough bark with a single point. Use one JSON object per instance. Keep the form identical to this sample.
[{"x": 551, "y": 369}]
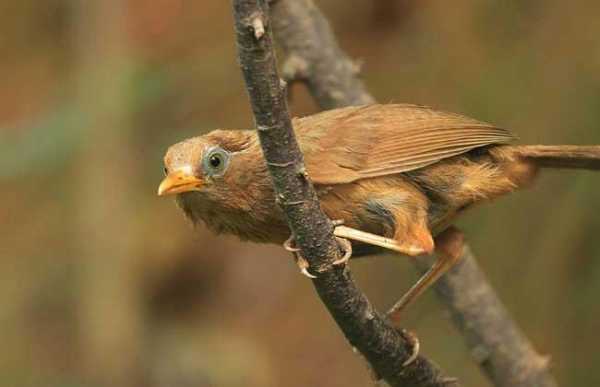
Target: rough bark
[
  {"x": 383, "y": 347},
  {"x": 495, "y": 341}
]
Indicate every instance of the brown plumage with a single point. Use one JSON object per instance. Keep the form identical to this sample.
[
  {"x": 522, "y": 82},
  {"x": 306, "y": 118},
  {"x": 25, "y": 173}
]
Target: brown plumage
[
  {"x": 394, "y": 170},
  {"x": 400, "y": 171}
]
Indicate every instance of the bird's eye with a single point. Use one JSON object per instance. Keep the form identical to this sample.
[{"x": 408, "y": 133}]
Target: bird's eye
[
  {"x": 215, "y": 161},
  {"x": 166, "y": 171}
]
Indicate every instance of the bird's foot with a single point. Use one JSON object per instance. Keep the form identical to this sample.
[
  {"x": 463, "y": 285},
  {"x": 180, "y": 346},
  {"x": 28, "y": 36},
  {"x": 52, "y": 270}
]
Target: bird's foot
[
  {"x": 290, "y": 245},
  {"x": 414, "y": 343},
  {"x": 346, "y": 247},
  {"x": 344, "y": 244}
]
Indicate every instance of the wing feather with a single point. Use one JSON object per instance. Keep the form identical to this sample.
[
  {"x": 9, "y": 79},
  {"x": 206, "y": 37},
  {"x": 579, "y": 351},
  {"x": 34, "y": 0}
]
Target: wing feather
[{"x": 347, "y": 144}]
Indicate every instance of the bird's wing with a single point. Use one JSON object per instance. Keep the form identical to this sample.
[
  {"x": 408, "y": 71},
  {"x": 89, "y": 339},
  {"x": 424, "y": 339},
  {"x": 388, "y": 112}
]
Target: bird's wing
[{"x": 344, "y": 145}]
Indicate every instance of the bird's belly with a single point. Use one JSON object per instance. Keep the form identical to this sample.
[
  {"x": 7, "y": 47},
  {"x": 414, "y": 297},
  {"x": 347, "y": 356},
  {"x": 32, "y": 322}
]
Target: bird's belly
[{"x": 385, "y": 205}]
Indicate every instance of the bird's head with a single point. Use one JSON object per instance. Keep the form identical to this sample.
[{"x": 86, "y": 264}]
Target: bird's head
[
  {"x": 205, "y": 164},
  {"x": 221, "y": 179}
]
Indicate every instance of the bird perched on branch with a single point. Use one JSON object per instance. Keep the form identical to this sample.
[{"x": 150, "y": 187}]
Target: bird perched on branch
[{"x": 396, "y": 176}]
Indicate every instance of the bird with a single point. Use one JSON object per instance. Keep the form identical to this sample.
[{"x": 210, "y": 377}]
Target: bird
[{"x": 391, "y": 176}]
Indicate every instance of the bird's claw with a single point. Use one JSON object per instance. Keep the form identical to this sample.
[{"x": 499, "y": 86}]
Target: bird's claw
[
  {"x": 414, "y": 343},
  {"x": 306, "y": 273},
  {"x": 289, "y": 245},
  {"x": 346, "y": 246},
  {"x": 302, "y": 263}
]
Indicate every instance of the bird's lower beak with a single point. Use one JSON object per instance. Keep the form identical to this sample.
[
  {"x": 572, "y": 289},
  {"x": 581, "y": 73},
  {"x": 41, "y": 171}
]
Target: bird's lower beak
[{"x": 177, "y": 182}]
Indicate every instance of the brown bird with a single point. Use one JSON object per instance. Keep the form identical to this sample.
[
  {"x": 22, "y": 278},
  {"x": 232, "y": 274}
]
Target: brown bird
[{"x": 395, "y": 175}]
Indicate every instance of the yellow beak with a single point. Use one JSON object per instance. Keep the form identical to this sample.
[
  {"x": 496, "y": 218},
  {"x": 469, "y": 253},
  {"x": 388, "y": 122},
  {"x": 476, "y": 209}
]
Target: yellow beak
[{"x": 177, "y": 182}]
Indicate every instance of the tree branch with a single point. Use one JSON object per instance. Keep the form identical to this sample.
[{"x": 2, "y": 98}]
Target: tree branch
[
  {"x": 384, "y": 348},
  {"x": 495, "y": 341},
  {"x": 314, "y": 56}
]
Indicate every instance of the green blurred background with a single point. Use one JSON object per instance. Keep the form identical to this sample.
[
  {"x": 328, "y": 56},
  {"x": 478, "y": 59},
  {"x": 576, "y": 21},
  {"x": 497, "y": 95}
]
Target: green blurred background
[{"x": 103, "y": 283}]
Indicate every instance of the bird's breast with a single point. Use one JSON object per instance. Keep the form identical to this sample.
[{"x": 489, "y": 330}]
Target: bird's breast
[{"x": 259, "y": 222}]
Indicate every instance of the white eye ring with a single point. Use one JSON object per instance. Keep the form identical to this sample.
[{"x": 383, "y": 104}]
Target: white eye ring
[{"x": 215, "y": 161}]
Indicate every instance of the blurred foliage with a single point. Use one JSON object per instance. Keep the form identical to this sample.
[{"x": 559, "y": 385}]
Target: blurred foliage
[{"x": 103, "y": 283}]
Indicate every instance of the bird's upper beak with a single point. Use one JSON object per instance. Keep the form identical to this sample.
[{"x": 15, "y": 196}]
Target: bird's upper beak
[{"x": 177, "y": 182}]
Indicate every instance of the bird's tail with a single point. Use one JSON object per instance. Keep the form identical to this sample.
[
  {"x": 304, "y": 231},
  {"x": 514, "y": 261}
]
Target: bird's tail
[{"x": 559, "y": 156}]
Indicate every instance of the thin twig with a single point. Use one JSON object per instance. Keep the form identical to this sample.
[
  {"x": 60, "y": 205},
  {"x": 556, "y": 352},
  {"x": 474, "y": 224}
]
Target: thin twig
[
  {"x": 495, "y": 341},
  {"x": 384, "y": 347}
]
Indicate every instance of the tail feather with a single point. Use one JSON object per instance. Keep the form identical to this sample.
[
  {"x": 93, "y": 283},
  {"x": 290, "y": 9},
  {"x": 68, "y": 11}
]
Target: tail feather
[{"x": 560, "y": 156}]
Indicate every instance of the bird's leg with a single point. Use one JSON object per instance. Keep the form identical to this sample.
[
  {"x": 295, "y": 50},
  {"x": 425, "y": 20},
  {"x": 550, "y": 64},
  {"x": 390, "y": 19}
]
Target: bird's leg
[
  {"x": 449, "y": 249},
  {"x": 376, "y": 240}
]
